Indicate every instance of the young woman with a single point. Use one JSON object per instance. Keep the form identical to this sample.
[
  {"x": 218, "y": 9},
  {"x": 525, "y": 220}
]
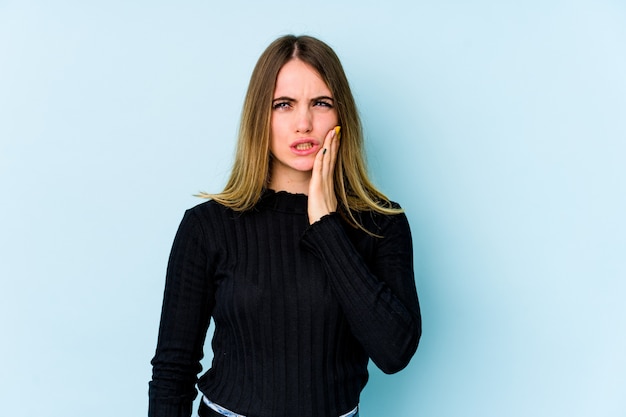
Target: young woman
[{"x": 304, "y": 266}]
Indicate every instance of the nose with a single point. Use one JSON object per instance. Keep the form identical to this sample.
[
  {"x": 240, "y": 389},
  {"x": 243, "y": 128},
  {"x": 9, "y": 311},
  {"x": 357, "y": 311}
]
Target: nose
[{"x": 304, "y": 120}]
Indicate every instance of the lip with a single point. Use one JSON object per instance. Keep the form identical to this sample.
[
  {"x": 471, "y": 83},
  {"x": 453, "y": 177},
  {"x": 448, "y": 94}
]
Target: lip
[{"x": 315, "y": 146}]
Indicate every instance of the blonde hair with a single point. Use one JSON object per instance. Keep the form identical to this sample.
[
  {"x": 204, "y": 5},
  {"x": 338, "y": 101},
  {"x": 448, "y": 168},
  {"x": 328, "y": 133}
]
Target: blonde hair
[{"x": 251, "y": 169}]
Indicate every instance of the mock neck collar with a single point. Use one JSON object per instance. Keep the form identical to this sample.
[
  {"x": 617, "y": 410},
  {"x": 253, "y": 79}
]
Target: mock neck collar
[{"x": 283, "y": 201}]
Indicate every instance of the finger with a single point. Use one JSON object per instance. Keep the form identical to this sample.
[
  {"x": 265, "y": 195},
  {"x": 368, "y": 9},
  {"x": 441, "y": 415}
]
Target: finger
[
  {"x": 334, "y": 148},
  {"x": 330, "y": 150},
  {"x": 321, "y": 154},
  {"x": 318, "y": 165}
]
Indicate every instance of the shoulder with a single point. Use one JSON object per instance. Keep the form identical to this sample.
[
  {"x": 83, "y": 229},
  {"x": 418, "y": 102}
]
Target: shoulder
[
  {"x": 207, "y": 217},
  {"x": 377, "y": 221},
  {"x": 207, "y": 225},
  {"x": 209, "y": 209},
  {"x": 380, "y": 226}
]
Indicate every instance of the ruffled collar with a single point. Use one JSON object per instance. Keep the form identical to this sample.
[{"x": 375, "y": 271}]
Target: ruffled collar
[{"x": 283, "y": 201}]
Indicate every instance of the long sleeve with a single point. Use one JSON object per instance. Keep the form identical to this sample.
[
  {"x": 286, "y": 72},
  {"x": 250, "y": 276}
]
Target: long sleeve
[
  {"x": 298, "y": 309},
  {"x": 187, "y": 305},
  {"x": 378, "y": 295}
]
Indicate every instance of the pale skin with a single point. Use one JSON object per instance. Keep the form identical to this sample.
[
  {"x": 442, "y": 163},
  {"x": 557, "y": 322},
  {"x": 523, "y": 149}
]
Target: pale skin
[{"x": 304, "y": 142}]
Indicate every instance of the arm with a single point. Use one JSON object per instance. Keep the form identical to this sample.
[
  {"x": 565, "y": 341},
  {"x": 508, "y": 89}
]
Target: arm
[
  {"x": 187, "y": 305},
  {"x": 380, "y": 303}
]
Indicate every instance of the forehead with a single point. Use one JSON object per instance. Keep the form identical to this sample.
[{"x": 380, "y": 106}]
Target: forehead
[{"x": 298, "y": 77}]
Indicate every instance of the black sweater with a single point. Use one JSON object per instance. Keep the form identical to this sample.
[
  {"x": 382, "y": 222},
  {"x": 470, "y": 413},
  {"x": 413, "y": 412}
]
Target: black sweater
[{"x": 298, "y": 309}]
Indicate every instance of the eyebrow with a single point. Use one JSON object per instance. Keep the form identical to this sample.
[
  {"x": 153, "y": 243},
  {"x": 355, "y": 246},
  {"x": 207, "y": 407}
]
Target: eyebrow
[{"x": 285, "y": 98}]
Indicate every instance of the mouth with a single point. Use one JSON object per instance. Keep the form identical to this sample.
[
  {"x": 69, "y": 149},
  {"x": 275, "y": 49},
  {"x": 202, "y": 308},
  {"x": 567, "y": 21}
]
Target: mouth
[{"x": 304, "y": 146}]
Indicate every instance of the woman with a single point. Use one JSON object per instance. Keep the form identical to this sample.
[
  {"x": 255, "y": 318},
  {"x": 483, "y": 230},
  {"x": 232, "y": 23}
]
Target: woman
[{"x": 304, "y": 266}]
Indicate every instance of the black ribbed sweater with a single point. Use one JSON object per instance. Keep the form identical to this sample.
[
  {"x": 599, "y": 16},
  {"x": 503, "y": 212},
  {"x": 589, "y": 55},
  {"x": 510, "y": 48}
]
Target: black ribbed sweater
[{"x": 298, "y": 309}]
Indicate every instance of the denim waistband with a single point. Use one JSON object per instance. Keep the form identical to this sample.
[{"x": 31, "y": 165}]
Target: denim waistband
[{"x": 227, "y": 413}]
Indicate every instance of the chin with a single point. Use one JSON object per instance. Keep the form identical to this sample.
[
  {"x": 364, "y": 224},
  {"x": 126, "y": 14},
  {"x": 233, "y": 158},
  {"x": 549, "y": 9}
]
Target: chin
[
  {"x": 308, "y": 168},
  {"x": 303, "y": 166}
]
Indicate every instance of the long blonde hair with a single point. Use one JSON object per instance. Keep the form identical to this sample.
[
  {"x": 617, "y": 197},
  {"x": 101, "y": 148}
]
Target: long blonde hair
[{"x": 251, "y": 169}]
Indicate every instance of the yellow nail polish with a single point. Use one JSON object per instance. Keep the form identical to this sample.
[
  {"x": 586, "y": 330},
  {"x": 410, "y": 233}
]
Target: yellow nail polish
[{"x": 337, "y": 131}]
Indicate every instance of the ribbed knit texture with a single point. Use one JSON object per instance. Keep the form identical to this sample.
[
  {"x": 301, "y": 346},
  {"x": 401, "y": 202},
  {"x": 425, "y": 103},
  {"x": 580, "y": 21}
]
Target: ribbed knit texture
[{"x": 298, "y": 309}]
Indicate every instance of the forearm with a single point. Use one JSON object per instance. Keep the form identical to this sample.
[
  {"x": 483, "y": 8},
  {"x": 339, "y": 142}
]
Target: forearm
[
  {"x": 185, "y": 315},
  {"x": 380, "y": 302}
]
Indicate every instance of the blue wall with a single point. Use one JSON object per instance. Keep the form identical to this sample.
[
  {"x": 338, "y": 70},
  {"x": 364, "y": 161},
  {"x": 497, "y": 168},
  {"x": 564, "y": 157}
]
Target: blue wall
[{"x": 500, "y": 126}]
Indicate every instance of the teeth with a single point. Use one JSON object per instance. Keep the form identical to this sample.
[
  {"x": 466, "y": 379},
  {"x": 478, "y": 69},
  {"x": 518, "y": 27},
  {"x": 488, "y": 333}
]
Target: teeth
[{"x": 304, "y": 146}]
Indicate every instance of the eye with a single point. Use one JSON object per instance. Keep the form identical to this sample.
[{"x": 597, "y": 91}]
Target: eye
[
  {"x": 281, "y": 105},
  {"x": 323, "y": 103}
]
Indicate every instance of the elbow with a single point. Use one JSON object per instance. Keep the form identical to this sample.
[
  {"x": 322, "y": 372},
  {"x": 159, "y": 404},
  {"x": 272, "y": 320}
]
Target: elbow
[
  {"x": 392, "y": 367},
  {"x": 400, "y": 355}
]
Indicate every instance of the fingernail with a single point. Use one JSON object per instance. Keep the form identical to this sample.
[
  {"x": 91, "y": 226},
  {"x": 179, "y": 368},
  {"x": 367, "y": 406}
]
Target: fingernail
[
  {"x": 324, "y": 151},
  {"x": 337, "y": 130}
]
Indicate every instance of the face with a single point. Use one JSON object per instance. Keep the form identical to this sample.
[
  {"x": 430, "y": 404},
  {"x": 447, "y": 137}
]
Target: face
[{"x": 303, "y": 112}]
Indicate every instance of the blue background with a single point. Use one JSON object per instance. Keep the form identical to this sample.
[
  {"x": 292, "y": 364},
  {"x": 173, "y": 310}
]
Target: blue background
[{"x": 499, "y": 125}]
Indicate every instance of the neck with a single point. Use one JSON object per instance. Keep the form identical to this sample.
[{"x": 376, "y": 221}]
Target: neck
[{"x": 293, "y": 182}]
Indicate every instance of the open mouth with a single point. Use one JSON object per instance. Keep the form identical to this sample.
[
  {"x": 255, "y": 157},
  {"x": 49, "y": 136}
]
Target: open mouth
[{"x": 304, "y": 146}]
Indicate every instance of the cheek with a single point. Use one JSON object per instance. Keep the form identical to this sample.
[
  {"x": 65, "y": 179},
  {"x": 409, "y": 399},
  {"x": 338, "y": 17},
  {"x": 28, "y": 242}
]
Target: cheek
[
  {"x": 326, "y": 121},
  {"x": 332, "y": 121},
  {"x": 334, "y": 117},
  {"x": 277, "y": 136},
  {"x": 277, "y": 125},
  {"x": 274, "y": 130}
]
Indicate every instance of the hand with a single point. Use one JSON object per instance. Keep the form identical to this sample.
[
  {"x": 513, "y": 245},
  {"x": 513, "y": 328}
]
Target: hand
[{"x": 322, "y": 198}]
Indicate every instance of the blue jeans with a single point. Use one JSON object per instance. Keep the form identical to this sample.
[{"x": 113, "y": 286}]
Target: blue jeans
[{"x": 206, "y": 411}]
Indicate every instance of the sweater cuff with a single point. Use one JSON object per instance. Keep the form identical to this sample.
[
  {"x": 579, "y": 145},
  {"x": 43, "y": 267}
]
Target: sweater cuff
[
  {"x": 158, "y": 408},
  {"x": 325, "y": 229}
]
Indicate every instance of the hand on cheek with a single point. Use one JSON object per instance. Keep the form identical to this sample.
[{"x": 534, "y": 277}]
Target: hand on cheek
[{"x": 322, "y": 198}]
